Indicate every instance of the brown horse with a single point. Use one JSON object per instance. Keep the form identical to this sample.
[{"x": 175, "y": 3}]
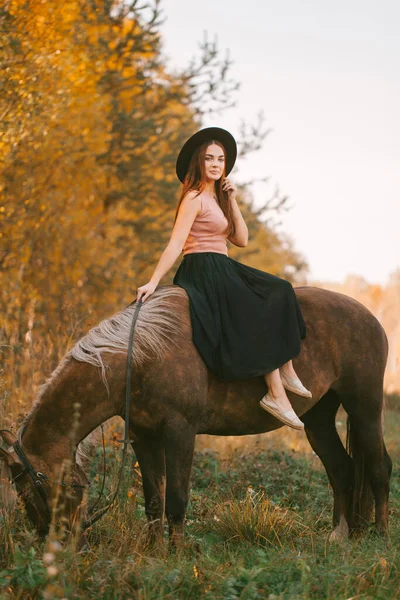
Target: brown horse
[{"x": 174, "y": 397}]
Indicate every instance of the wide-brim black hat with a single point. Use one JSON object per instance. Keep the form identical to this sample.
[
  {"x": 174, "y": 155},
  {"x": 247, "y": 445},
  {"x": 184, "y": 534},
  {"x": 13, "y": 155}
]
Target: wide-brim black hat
[{"x": 204, "y": 135}]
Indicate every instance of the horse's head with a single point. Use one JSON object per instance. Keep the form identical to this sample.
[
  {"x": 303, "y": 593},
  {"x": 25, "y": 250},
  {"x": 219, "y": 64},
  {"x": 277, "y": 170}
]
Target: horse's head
[{"x": 38, "y": 487}]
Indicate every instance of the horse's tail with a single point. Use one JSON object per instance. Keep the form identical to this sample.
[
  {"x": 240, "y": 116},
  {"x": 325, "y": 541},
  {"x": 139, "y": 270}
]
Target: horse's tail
[{"x": 362, "y": 501}]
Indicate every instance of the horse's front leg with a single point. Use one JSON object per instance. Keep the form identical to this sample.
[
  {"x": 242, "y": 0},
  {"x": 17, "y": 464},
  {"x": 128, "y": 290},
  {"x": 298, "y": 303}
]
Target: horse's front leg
[
  {"x": 179, "y": 440},
  {"x": 151, "y": 458}
]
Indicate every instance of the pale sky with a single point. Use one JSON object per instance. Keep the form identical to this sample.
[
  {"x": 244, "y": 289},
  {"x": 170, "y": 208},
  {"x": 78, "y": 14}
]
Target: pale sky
[{"x": 327, "y": 76}]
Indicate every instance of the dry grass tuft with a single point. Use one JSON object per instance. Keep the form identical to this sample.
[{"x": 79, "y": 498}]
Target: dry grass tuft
[{"x": 258, "y": 520}]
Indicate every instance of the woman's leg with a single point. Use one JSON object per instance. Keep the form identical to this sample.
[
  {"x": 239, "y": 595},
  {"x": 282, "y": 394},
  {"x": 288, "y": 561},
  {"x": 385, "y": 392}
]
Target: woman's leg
[
  {"x": 288, "y": 369},
  {"x": 277, "y": 403},
  {"x": 276, "y": 389},
  {"x": 291, "y": 381}
]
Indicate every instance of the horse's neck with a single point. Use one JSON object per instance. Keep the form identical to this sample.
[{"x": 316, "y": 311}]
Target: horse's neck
[{"x": 66, "y": 411}]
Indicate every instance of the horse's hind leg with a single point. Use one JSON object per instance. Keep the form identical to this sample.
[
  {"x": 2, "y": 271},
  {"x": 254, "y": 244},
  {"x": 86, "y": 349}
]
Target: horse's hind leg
[
  {"x": 372, "y": 461},
  {"x": 151, "y": 458},
  {"x": 179, "y": 441},
  {"x": 322, "y": 434}
]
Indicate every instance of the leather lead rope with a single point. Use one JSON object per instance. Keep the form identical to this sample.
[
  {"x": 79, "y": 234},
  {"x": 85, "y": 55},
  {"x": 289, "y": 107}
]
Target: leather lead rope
[
  {"x": 126, "y": 439},
  {"x": 103, "y": 479}
]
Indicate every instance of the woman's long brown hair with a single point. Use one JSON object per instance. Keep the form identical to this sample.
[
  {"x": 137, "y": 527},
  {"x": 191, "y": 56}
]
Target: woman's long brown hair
[{"x": 196, "y": 180}]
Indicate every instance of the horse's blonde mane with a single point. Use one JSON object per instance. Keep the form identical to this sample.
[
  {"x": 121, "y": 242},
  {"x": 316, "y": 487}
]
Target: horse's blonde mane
[{"x": 155, "y": 330}]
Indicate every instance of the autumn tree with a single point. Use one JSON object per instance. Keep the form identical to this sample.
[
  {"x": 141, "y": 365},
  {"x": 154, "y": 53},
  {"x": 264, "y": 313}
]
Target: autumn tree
[{"x": 92, "y": 124}]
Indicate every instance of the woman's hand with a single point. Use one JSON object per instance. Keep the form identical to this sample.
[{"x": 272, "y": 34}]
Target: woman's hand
[
  {"x": 145, "y": 291},
  {"x": 230, "y": 188}
]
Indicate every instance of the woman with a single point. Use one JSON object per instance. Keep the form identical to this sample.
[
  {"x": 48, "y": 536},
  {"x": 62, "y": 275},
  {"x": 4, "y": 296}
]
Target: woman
[{"x": 245, "y": 322}]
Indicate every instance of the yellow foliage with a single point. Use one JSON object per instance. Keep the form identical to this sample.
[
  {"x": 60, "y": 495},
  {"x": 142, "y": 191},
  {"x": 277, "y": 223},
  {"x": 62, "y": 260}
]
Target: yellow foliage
[{"x": 92, "y": 124}]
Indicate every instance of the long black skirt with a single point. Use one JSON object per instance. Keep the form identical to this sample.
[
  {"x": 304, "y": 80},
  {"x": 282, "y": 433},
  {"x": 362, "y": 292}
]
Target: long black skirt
[{"x": 245, "y": 322}]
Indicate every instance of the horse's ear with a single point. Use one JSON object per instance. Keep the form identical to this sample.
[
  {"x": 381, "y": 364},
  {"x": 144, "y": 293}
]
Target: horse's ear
[
  {"x": 8, "y": 437},
  {"x": 8, "y": 456}
]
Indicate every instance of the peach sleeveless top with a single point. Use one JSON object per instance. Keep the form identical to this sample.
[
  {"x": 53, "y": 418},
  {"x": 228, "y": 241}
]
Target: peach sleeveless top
[{"x": 209, "y": 231}]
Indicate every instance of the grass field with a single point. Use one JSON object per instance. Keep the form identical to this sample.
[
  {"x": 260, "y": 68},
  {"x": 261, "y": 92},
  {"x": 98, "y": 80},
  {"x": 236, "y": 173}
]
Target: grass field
[{"x": 257, "y": 527}]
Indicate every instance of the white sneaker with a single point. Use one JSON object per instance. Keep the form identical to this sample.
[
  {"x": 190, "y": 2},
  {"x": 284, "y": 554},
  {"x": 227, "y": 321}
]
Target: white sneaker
[
  {"x": 288, "y": 417},
  {"x": 295, "y": 386}
]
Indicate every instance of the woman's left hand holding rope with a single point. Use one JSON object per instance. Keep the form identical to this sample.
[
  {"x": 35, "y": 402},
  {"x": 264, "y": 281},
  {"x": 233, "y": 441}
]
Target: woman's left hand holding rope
[{"x": 145, "y": 291}]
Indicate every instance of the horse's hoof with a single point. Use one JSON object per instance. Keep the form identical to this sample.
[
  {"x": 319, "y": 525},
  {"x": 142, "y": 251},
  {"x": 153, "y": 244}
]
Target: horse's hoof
[
  {"x": 340, "y": 533},
  {"x": 337, "y": 537}
]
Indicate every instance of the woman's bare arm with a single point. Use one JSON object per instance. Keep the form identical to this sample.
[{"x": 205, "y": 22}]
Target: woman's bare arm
[
  {"x": 241, "y": 236},
  {"x": 188, "y": 210}
]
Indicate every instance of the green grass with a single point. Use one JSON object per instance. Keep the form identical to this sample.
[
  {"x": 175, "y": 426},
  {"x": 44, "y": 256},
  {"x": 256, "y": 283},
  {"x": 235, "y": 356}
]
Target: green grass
[{"x": 257, "y": 527}]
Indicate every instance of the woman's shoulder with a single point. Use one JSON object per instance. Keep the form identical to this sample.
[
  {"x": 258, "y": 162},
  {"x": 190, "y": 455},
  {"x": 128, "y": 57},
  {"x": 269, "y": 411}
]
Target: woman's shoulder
[
  {"x": 191, "y": 194},
  {"x": 194, "y": 196}
]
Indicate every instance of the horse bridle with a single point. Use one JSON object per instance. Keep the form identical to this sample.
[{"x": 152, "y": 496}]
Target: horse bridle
[
  {"x": 38, "y": 477},
  {"x": 28, "y": 469}
]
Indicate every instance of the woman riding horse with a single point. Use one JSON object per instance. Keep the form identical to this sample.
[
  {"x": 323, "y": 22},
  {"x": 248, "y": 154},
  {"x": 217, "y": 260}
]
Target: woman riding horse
[{"x": 245, "y": 322}]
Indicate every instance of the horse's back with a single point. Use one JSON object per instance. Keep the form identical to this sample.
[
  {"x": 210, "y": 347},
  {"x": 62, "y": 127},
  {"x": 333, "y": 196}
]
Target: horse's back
[
  {"x": 342, "y": 335},
  {"x": 340, "y": 315},
  {"x": 333, "y": 319}
]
